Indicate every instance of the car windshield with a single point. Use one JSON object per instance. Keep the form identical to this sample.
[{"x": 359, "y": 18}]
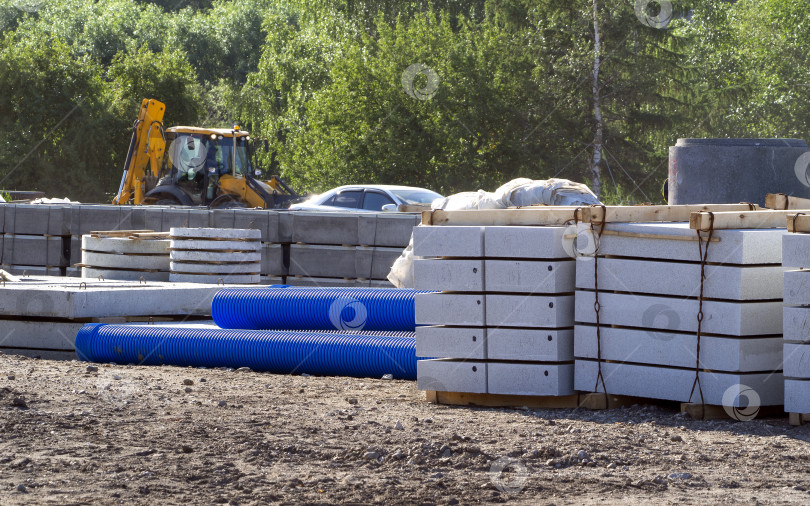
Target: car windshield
[
  {"x": 416, "y": 196},
  {"x": 196, "y": 153}
]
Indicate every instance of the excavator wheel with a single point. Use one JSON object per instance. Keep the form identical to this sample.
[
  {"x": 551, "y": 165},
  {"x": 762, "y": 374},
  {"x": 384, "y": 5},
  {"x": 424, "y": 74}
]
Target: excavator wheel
[{"x": 167, "y": 202}]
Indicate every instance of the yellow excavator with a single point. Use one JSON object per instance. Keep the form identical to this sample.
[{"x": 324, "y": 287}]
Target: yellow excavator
[{"x": 193, "y": 166}]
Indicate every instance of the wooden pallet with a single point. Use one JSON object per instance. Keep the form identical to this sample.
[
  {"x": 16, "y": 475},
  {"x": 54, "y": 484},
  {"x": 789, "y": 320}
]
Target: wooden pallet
[
  {"x": 698, "y": 411},
  {"x": 797, "y": 419},
  {"x": 583, "y": 400}
]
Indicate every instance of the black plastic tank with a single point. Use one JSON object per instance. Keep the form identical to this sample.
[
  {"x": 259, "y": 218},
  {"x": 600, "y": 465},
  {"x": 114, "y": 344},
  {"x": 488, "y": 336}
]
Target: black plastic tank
[{"x": 728, "y": 171}]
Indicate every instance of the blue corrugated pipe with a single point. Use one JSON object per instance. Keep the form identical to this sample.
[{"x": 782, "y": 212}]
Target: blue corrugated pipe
[
  {"x": 290, "y": 308},
  {"x": 272, "y": 351}
]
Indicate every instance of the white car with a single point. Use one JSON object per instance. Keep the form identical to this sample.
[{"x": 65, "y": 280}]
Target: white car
[{"x": 367, "y": 198}]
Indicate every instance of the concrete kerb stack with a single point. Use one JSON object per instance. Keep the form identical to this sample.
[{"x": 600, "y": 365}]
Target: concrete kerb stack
[
  {"x": 645, "y": 283},
  {"x": 346, "y": 249},
  {"x": 796, "y": 359},
  {"x": 36, "y": 239},
  {"x": 502, "y": 323},
  {"x": 213, "y": 255}
]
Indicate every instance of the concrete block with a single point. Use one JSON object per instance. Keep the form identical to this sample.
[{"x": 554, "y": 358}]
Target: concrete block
[
  {"x": 451, "y": 342},
  {"x": 128, "y": 275},
  {"x": 683, "y": 279},
  {"x": 449, "y": 309},
  {"x": 143, "y": 217},
  {"x": 75, "y": 250},
  {"x": 221, "y": 218},
  {"x": 323, "y": 261},
  {"x": 226, "y": 279},
  {"x": 240, "y": 234},
  {"x": 226, "y": 257},
  {"x": 324, "y": 282},
  {"x": 674, "y": 384},
  {"x": 285, "y": 226},
  {"x": 375, "y": 262},
  {"x": 748, "y": 246},
  {"x": 529, "y": 276},
  {"x": 34, "y": 250},
  {"x": 36, "y": 219},
  {"x": 796, "y": 288},
  {"x": 796, "y": 324},
  {"x": 263, "y": 220},
  {"x": 796, "y": 250},
  {"x": 449, "y": 275},
  {"x": 796, "y": 360},
  {"x": 386, "y": 229},
  {"x": 73, "y": 298},
  {"x": 203, "y": 268},
  {"x": 675, "y": 349},
  {"x": 39, "y": 334},
  {"x": 675, "y": 314},
  {"x": 126, "y": 261},
  {"x": 271, "y": 280},
  {"x": 527, "y": 242},
  {"x": 530, "y": 379},
  {"x": 797, "y": 396},
  {"x": 184, "y": 218},
  {"x": 444, "y": 375},
  {"x": 273, "y": 260},
  {"x": 325, "y": 228},
  {"x": 530, "y": 345},
  {"x": 87, "y": 218},
  {"x": 32, "y": 270},
  {"x": 448, "y": 242},
  {"x": 124, "y": 245},
  {"x": 530, "y": 310}
]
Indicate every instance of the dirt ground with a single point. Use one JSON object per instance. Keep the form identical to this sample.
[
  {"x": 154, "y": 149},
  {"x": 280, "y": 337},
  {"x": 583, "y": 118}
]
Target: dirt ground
[{"x": 146, "y": 435}]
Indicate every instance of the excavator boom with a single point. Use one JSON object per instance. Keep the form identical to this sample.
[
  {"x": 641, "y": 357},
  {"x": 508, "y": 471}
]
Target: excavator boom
[{"x": 145, "y": 153}]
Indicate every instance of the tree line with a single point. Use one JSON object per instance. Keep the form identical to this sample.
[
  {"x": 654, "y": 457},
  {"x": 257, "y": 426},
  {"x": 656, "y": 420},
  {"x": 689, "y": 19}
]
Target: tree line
[{"x": 448, "y": 95}]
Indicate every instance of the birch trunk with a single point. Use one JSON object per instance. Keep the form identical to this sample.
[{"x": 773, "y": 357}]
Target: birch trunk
[{"x": 596, "y": 184}]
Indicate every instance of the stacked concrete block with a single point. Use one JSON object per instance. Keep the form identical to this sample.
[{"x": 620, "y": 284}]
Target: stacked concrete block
[
  {"x": 346, "y": 249},
  {"x": 36, "y": 238},
  {"x": 796, "y": 331},
  {"x": 649, "y": 280},
  {"x": 502, "y": 323},
  {"x": 125, "y": 258},
  {"x": 213, "y": 255},
  {"x": 275, "y": 237}
]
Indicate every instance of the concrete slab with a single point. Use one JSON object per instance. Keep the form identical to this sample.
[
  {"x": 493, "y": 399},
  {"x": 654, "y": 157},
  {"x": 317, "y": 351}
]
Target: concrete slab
[
  {"x": 33, "y": 270},
  {"x": 375, "y": 262},
  {"x": 273, "y": 260},
  {"x": 200, "y": 268},
  {"x": 387, "y": 229},
  {"x": 683, "y": 279},
  {"x": 337, "y": 282},
  {"x": 796, "y": 324},
  {"x": 796, "y": 360},
  {"x": 530, "y": 345},
  {"x": 527, "y": 242},
  {"x": 528, "y": 276},
  {"x": 144, "y": 217},
  {"x": 127, "y": 275},
  {"x": 261, "y": 219},
  {"x": 530, "y": 311},
  {"x": 36, "y": 219},
  {"x": 227, "y": 279},
  {"x": 125, "y": 245},
  {"x": 242, "y": 234},
  {"x": 451, "y": 376},
  {"x": 451, "y": 342},
  {"x": 184, "y": 218},
  {"x": 530, "y": 379},
  {"x": 797, "y": 395},
  {"x": 85, "y": 218},
  {"x": 462, "y": 242},
  {"x": 325, "y": 228},
  {"x": 73, "y": 298},
  {"x": 285, "y": 226},
  {"x": 796, "y": 250},
  {"x": 672, "y": 384},
  {"x": 677, "y": 349},
  {"x": 680, "y": 314},
  {"x": 40, "y": 354},
  {"x": 128, "y": 261},
  {"x": 449, "y": 275},
  {"x": 218, "y": 245},
  {"x": 51, "y": 335},
  {"x": 797, "y": 288},
  {"x": 746, "y": 246},
  {"x": 178, "y": 255},
  {"x": 323, "y": 261},
  {"x": 34, "y": 250},
  {"x": 449, "y": 309}
]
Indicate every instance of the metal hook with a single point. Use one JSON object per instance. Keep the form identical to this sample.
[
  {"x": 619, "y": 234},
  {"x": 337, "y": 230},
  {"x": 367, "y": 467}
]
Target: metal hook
[
  {"x": 141, "y": 280},
  {"x": 83, "y": 283},
  {"x": 220, "y": 281},
  {"x": 100, "y": 277}
]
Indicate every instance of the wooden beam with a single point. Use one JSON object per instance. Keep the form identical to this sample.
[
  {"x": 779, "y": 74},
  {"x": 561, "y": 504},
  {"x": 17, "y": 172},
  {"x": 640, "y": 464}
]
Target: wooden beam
[
  {"x": 733, "y": 220},
  {"x": 550, "y": 215},
  {"x": 798, "y": 223},
  {"x": 118, "y": 233},
  {"x": 780, "y": 201},
  {"x": 641, "y": 214}
]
